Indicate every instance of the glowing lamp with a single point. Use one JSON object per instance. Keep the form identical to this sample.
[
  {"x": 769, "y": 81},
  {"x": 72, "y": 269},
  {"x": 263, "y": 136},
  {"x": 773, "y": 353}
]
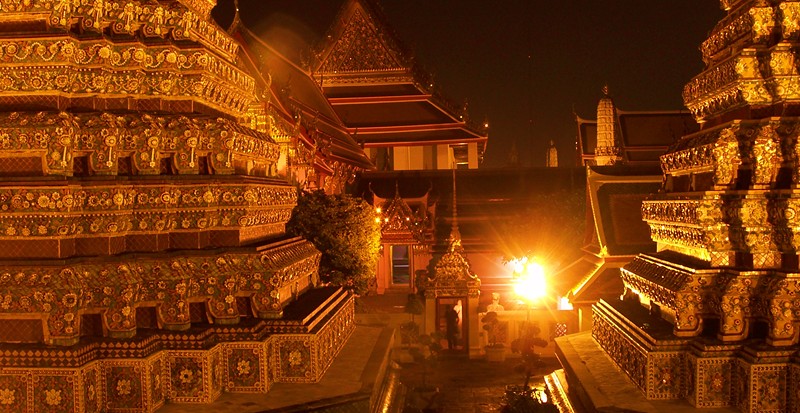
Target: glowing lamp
[
  {"x": 518, "y": 265},
  {"x": 531, "y": 284}
]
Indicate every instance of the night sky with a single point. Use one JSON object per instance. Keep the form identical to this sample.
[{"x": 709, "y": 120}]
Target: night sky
[{"x": 522, "y": 64}]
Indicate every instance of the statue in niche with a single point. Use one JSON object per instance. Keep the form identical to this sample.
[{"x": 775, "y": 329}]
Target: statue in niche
[{"x": 495, "y": 305}]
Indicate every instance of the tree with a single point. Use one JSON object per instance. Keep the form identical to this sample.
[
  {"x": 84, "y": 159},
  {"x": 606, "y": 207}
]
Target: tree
[
  {"x": 414, "y": 306},
  {"x": 551, "y": 225},
  {"x": 526, "y": 399},
  {"x": 343, "y": 228}
]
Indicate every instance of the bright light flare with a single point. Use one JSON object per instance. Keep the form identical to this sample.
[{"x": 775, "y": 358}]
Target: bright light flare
[
  {"x": 542, "y": 396},
  {"x": 531, "y": 284}
]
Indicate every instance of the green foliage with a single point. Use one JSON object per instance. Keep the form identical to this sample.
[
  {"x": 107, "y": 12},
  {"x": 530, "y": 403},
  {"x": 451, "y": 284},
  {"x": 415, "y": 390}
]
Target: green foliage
[
  {"x": 343, "y": 228},
  {"x": 409, "y": 333},
  {"x": 414, "y": 306},
  {"x": 426, "y": 352},
  {"x": 526, "y": 345},
  {"x": 495, "y": 330},
  {"x": 525, "y": 399}
]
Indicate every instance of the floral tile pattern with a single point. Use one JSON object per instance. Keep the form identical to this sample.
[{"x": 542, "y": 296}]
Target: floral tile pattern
[
  {"x": 92, "y": 391},
  {"x": 714, "y": 382},
  {"x": 195, "y": 376},
  {"x": 14, "y": 393},
  {"x": 768, "y": 390},
  {"x": 217, "y": 373},
  {"x": 156, "y": 383},
  {"x": 294, "y": 359},
  {"x": 665, "y": 375},
  {"x": 794, "y": 388},
  {"x": 55, "y": 393},
  {"x": 132, "y": 383},
  {"x": 123, "y": 384},
  {"x": 186, "y": 378},
  {"x": 740, "y": 385},
  {"x": 246, "y": 368}
]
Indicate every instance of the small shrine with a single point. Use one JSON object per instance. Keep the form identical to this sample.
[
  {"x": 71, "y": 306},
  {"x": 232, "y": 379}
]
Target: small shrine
[
  {"x": 454, "y": 286},
  {"x": 407, "y": 234}
]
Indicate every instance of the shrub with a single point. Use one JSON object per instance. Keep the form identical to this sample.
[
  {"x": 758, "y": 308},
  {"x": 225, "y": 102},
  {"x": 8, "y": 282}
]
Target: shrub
[{"x": 343, "y": 228}]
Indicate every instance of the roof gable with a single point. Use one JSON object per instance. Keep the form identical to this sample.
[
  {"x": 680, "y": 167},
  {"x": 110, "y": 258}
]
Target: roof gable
[{"x": 360, "y": 42}]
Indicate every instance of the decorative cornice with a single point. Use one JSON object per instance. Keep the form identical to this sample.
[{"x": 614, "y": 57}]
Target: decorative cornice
[
  {"x": 104, "y": 138},
  {"x": 173, "y": 19}
]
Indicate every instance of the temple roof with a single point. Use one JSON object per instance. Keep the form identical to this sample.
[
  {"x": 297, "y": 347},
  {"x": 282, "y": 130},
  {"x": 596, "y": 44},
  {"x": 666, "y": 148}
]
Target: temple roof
[
  {"x": 359, "y": 41},
  {"x": 378, "y": 91},
  {"x": 298, "y": 95},
  {"x": 615, "y": 197},
  {"x": 615, "y": 231},
  {"x": 452, "y": 273}
]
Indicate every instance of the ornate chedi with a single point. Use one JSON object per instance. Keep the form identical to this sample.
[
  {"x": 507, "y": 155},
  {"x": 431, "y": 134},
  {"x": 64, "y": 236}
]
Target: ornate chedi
[
  {"x": 143, "y": 257},
  {"x": 723, "y": 289},
  {"x": 606, "y": 151}
]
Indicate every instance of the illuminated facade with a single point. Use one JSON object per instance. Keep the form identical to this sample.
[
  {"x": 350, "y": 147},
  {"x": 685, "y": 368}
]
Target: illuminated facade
[
  {"x": 616, "y": 186},
  {"x": 143, "y": 258},
  {"x": 710, "y": 319},
  {"x": 390, "y": 107}
]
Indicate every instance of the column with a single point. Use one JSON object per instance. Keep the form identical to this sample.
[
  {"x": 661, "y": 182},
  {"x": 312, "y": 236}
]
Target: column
[
  {"x": 444, "y": 157},
  {"x": 472, "y": 155}
]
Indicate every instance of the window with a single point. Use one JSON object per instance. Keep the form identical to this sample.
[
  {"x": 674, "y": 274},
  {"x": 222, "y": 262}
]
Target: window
[{"x": 401, "y": 272}]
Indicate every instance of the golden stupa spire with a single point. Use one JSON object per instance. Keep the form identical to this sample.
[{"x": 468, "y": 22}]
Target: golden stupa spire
[{"x": 606, "y": 151}]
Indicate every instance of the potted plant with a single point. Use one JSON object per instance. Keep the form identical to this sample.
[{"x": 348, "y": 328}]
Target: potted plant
[
  {"x": 409, "y": 331},
  {"x": 495, "y": 333},
  {"x": 425, "y": 397},
  {"x": 525, "y": 398}
]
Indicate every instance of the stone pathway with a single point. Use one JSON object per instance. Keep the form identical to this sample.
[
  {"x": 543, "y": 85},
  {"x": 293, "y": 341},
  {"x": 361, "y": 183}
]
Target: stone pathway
[{"x": 470, "y": 386}]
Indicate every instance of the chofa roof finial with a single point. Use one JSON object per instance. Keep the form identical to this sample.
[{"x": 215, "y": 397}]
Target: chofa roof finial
[{"x": 236, "y": 19}]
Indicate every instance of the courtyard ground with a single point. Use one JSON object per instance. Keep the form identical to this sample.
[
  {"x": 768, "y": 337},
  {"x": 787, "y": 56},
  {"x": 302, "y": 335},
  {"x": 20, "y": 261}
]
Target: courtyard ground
[{"x": 466, "y": 386}]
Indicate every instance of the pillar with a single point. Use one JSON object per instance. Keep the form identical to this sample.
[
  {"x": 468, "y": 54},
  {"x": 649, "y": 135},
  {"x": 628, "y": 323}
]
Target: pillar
[
  {"x": 401, "y": 158},
  {"x": 416, "y": 158},
  {"x": 473, "y": 341},
  {"x": 472, "y": 155},
  {"x": 444, "y": 157}
]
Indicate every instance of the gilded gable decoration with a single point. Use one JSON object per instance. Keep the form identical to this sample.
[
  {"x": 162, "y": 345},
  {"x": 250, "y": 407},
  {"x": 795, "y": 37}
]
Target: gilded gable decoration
[
  {"x": 360, "y": 48},
  {"x": 360, "y": 42},
  {"x": 400, "y": 221}
]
